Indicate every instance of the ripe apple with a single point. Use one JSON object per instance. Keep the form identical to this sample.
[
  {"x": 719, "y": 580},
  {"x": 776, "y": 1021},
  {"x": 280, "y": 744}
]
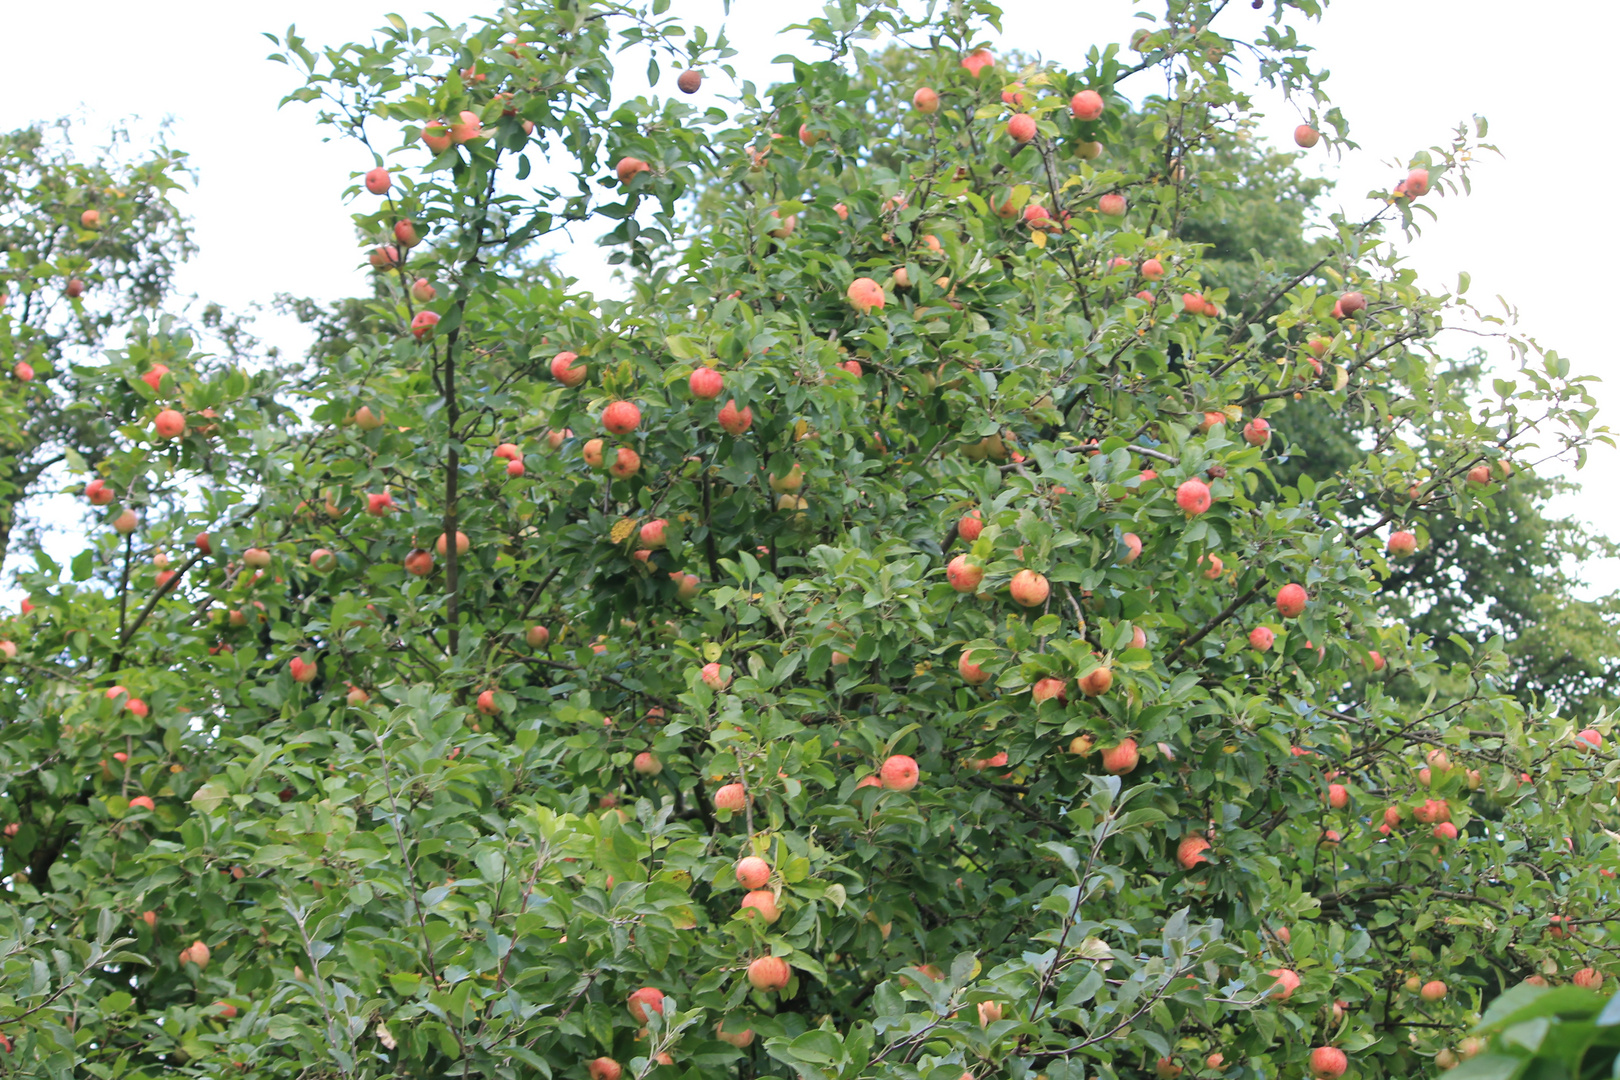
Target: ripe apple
[
  {"x": 1021, "y": 128},
  {"x": 899, "y": 773},
  {"x": 126, "y": 522},
  {"x": 604, "y": 1068},
  {"x": 356, "y": 696},
  {"x": 1587, "y": 978},
  {"x": 422, "y": 291},
  {"x": 787, "y": 226},
  {"x": 384, "y": 257},
  {"x": 169, "y": 423},
  {"x": 1028, "y": 588},
  {"x": 653, "y": 533},
  {"x": 769, "y": 973},
  {"x": 686, "y": 585},
  {"x": 1433, "y": 990},
  {"x": 142, "y": 802},
  {"x": 730, "y": 797},
  {"x": 971, "y": 673},
  {"x": 1214, "y": 568},
  {"x": 1133, "y": 547},
  {"x": 989, "y": 1013},
  {"x": 1096, "y": 682},
  {"x": 1215, "y": 1060},
  {"x": 1291, "y": 601},
  {"x": 925, "y": 100},
  {"x": 1166, "y": 1068},
  {"x": 1122, "y": 759},
  {"x": 75, "y": 288},
  {"x": 1111, "y": 205},
  {"x": 964, "y": 575},
  {"x": 627, "y": 168},
  {"x": 405, "y": 233},
  {"x": 1261, "y": 638},
  {"x": 1375, "y": 659},
  {"x": 753, "y": 872},
  {"x": 1480, "y": 474},
  {"x": 90, "y": 219},
  {"x": 468, "y": 128},
  {"x": 301, "y": 670},
  {"x": 1049, "y": 689},
  {"x": 154, "y": 376},
  {"x": 378, "y": 181},
  {"x": 1190, "y": 852},
  {"x": 463, "y": 545},
  {"x": 1082, "y": 745},
  {"x": 1417, "y": 183},
  {"x": 1306, "y": 136},
  {"x": 1338, "y": 796},
  {"x": 1287, "y": 982},
  {"x": 626, "y": 463},
  {"x": 646, "y": 764},
  {"x": 1257, "y": 432},
  {"x": 739, "y": 1039},
  {"x": 621, "y": 417},
  {"x": 1351, "y": 303},
  {"x": 975, "y": 62},
  {"x": 419, "y": 562},
  {"x": 1153, "y": 269},
  {"x": 423, "y": 324},
  {"x": 645, "y": 1000},
  {"x": 1402, "y": 543},
  {"x": 592, "y": 453},
  {"x": 714, "y": 678},
  {"x": 1086, "y": 105},
  {"x": 1328, "y": 1063},
  {"x": 1445, "y": 831},
  {"x": 706, "y": 383},
  {"x": 564, "y": 371},
  {"x": 1588, "y": 740},
  {"x": 379, "y": 503},
  {"x": 537, "y": 636},
  {"x": 733, "y": 420},
  {"x": 509, "y": 451},
  {"x": 865, "y": 294},
  {"x": 1193, "y": 497},
  {"x": 761, "y": 902},
  {"x": 366, "y": 420},
  {"x": 690, "y": 80}
]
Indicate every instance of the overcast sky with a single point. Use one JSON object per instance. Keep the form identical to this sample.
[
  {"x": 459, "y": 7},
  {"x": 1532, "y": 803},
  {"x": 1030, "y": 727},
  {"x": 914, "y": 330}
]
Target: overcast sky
[{"x": 1536, "y": 230}]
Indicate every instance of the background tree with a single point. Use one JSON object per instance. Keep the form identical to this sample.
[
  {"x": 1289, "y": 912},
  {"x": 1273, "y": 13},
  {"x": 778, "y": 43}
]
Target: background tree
[{"x": 886, "y": 644}]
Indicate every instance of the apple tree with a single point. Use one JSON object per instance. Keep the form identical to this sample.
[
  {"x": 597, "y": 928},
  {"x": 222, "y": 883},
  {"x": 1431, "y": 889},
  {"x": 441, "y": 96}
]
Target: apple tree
[{"x": 886, "y": 641}]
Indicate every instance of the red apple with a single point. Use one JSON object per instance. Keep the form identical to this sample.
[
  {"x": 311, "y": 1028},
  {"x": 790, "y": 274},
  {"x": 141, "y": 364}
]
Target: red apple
[
  {"x": 1096, "y": 682},
  {"x": 142, "y": 802},
  {"x": 1190, "y": 852},
  {"x": 423, "y": 324},
  {"x": 628, "y": 167},
  {"x": 971, "y": 673},
  {"x": 1111, "y": 205},
  {"x": 769, "y": 973},
  {"x": 1480, "y": 474},
  {"x": 1122, "y": 759},
  {"x": 648, "y": 999},
  {"x": 1417, "y": 183},
  {"x": 706, "y": 383},
  {"x": 169, "y": 423},
  {"x": 690, "y": 80},
  {"x": 761, "y": 902},
  {"x": 468, "y": 128},
  {"x": 1338, "y": 796},
  {"x": 1588, "y": 740},
  {"x": 564, "y": 371},
  {"x": 75, "y": 288},
  {"x": 970, "y": 526},
  {"x": 1086, "y": 105},
  {"x": 1153, "y": 269},
  {"x": 1193, "y": 497},
  {"x": 378, "y": 181},
  {"x": 730, "y": 797},
  {"x": 379, "y": 503},
  {"x": 1291, "y": 601},
  {"x": 1402, "y": 543},
  {"x": 865, "y": 294},
  {"x": 963, "y": 575},
  {"x": 604, "y": 1068},
  {"x": 1214, "y": 568},
  {"x": 1287, "y": 983},
  {"x": 126, "y": 522},
  {"x": 1306, "y": 136},
  {"x": 1257, "y": 432},
  {"x": 437, "y": 136},
  {"x": 1133, "y": 547},
  {"x": 98, "y": 492},
  {"x": 405, "y": 234},
  {"x": 537, "y": 636},
  {"x": 1021, "y": 128},
  {"x": 1049, "y": 690},
  {"x": 753, "y": 872},
  {"x": 422, "y": 291},
  {"x": 301, "y": 670},
  {"x": 463, "y": 545},
  {"x": 1375, "y": 659},
  {"x": 739, "y": 1039},
  {"x": 733, "y": 420},
  {"x": 1028, "y": 588},
  {"x": 653, "y": 533},
  {"x": 1351, "y": 303},
  {"x": 621, "y": 417},
  {"x": 419, "y": 562},
  {"x": 899, "y": 773},
  {"x": 90, "y": 219},
  {"x": 384, "y": 257},
  {"x": 1587, "y": 978},
  {"x": 1262, "y": 638},
  {"x": 975, "y": 62},
  {"x": 925, "y": 100},
  {"x": 592, "y": 453},
  {"x": 1328, "y": 1063},
  {"x": 626, "y": 463}
]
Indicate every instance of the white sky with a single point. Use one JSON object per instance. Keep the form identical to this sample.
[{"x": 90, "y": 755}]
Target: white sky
[{"x": 268, "y": 216}]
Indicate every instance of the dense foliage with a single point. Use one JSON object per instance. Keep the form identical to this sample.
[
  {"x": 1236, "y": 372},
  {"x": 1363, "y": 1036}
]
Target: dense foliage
[{"x": 899, "y": 631}]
